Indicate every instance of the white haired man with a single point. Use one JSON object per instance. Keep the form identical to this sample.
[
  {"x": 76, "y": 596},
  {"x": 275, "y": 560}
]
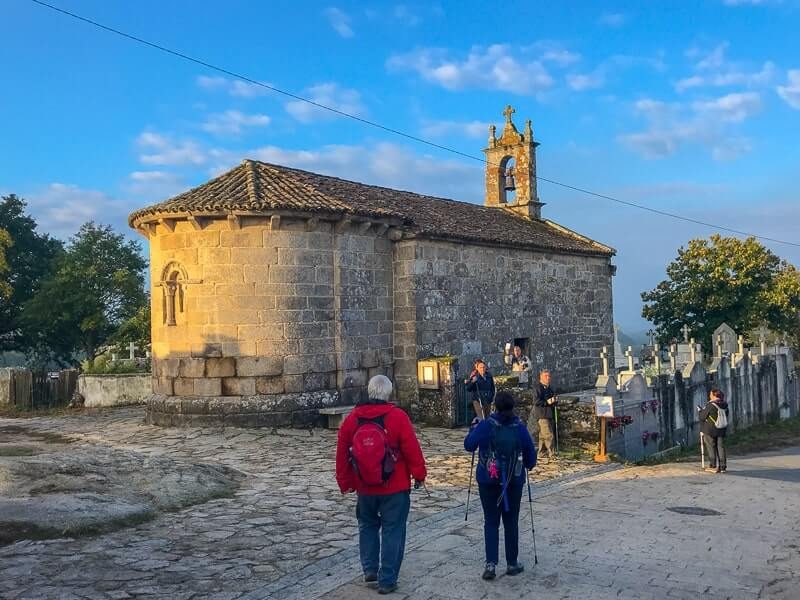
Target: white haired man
[{"x": 376, "y": 456}]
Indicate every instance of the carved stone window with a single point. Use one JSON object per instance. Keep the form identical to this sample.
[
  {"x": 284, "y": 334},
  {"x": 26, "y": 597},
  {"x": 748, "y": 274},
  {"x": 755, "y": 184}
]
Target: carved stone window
[{"x": 174, "y": 280}]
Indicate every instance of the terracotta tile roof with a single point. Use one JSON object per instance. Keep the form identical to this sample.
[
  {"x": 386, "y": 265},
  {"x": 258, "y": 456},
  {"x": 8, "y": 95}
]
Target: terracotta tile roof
[{"x": 259, "y": 187}]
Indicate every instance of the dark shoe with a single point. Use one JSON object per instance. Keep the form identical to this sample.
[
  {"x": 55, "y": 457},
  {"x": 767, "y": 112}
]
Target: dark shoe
[
  {"x": 387, "y": 589},
  {"x": 370, "y": 577},
  {"x": 724, "y": 469},
  {"x": 488, "y": 572},
  {"x": 515, "y": 569}
]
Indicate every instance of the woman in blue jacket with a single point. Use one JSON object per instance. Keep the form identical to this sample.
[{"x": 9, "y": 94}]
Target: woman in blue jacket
[{"x": 505, "y": 448}]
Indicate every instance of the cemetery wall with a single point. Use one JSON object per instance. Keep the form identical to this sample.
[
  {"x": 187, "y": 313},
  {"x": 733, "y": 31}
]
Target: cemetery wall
[
  {"x": 114, "y": 390},
  {"x": 758, "y": 390}
]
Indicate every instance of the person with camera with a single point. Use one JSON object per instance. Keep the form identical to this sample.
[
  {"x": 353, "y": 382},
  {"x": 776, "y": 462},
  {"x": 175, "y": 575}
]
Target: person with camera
[
  {"x": 521, "y": 365},
  {"x": 481, "y": 384},
  {"x": 713, "y": 419}
]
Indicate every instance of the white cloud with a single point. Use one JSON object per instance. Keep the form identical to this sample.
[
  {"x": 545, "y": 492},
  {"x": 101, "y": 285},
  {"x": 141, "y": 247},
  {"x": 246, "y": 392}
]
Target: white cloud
[
  {"x": 147, "y": 186},
  {"x": 704, "y": 123},
  {"x": 734, "y": 108},
  {"x": 233, "y": 122},
  {"x": 157, "y": 149},
  {"x": 327, "y": 94},
  {"x": 61, "y": 208},
  {"x": 383, "y": 164},
  {"x": 470, "y": 129},
  {"x": 750, "y": 2},
  {"x": 791, "y": 91},
  {"x": 613, "y": 19},
  {"x": 560, "y": 57},
  {"x": 405, "y": 15},
  {"x": 340, "y": 21},
  {"x": 586, "y": 81},
  {"x": 497, "y": 67},
  {"x": 233, "y": 87},
  {"x": 714, "y": 69}
]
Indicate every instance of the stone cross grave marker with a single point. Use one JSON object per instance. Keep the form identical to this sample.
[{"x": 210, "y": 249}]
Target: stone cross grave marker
[
  {"x": 604, "y": 360},
  {"x": 762, "y": 338},
  {"x": 629, "y": 354},
  {"x": 132, "y": 351}
]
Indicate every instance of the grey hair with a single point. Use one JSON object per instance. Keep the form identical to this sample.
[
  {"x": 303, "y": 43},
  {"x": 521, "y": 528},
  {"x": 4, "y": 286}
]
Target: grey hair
[
  {"x": 379, "y": 388},
  {"x": 543, "y": 371}
]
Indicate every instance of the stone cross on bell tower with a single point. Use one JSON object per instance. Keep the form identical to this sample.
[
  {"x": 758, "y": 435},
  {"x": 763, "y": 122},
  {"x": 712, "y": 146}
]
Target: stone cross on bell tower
[{"x": 511, "y": 169}]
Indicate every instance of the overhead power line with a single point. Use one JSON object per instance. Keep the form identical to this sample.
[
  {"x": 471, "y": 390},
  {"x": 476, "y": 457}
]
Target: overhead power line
[{"x": 391, "y": 130}]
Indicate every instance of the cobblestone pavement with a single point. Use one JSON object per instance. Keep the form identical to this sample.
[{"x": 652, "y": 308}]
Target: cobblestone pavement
[
  {"x": 286, "y": 518},
  {"x": 620, "y": 534}
]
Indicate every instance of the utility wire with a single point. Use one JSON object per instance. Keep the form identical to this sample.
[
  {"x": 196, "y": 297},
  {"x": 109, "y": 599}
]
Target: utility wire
[{"x": 391, "y": 130}]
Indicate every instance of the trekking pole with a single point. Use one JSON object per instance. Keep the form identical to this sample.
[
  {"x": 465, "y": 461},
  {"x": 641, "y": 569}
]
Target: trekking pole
[
  {"x": 702, "y": 452},
  {"x": 555, "y": 414},
  {"x": 469, "y": 490},
  {"x": 533, "y": 529}
]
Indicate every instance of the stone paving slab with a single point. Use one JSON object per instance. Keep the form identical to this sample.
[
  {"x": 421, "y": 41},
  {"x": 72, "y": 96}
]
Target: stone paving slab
[
  {"x": 286, "y": 515},
  {"x": 612, "y": 535}
]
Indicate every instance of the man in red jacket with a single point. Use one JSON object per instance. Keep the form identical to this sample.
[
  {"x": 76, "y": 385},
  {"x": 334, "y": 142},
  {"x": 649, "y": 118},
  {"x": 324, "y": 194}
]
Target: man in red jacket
[{"x": 384, "y": 495}]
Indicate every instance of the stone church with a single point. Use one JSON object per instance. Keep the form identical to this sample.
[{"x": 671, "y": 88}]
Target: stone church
[{"x": 276, "y": 291}]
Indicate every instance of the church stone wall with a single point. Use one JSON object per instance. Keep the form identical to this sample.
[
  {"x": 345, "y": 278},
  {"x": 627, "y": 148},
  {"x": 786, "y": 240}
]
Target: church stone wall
[
  {"x": 272, "y": 321},
  {"x": 469, "y": 300}
]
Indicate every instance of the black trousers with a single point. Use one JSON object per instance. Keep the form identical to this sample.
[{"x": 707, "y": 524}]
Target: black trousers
[{"x": 716, "y": 452}]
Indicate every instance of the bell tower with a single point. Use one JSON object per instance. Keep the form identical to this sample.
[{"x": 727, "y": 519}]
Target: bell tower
[{"x": 511, "y": 169}]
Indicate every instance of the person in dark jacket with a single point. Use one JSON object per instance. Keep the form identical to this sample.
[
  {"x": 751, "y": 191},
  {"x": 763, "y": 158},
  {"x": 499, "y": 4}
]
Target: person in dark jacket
[
  {"x": 501, "y": 479},
  {"x": 713, "y": 435},
  {"x": 381, "y": 510},
  {"x": 544, "y": 407},
  {"x": 481, "y": 384}
]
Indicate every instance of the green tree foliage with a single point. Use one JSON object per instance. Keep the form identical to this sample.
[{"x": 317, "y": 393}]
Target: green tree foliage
[
  {"x": 5, "y": 287},
  {"x": 136, "y": 330},
  {"x": 30, "y": 258},
  {"x": 97, "y": 285},
  {"x": 723, "y": 280}
]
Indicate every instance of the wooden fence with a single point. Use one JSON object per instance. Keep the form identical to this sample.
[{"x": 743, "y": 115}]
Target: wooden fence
[{"x": 34, "y": 390}]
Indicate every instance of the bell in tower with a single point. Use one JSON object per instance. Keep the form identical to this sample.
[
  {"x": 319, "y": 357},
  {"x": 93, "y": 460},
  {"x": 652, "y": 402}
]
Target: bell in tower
[{"x": 511, "y": 169}]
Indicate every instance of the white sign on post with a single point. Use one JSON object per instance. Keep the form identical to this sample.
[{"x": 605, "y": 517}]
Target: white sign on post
[{"x": 604, "y": 406}]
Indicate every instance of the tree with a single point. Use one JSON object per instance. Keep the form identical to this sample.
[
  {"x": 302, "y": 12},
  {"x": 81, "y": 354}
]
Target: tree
[
  {"x": 97, "y": 284},
  {"x": 723, "y": 280},
  {"x": 5, "y": 287},
  {"x": 136, "y": 330},
  {"x": 30, "y": 258}
]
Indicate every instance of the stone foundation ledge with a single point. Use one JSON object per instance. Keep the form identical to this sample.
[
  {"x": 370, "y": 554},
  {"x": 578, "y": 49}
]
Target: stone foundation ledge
[{"x": 273, "y": 410}]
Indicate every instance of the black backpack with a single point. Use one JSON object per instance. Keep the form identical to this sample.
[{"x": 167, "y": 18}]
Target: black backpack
[{"x": 506, "y": 451}]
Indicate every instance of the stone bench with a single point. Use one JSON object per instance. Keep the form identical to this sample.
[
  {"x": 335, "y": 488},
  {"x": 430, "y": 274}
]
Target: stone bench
[{"x": 336, "y": 415}]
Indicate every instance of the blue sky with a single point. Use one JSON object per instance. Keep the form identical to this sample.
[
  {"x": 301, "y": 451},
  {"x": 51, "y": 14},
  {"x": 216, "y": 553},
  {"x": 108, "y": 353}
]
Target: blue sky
[{"x": 691, "y": 107}]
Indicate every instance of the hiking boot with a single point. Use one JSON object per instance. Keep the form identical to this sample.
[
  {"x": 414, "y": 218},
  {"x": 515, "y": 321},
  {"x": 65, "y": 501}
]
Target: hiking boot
[
  {"x": 724, "y": 469},
  {"x": 515, "y": 569},
  {"x": 370, "y": 577},
  {"x": 719, "y": 470},
  {"x": 489, "y": 572},
  {"x": 387, "y": 589}
]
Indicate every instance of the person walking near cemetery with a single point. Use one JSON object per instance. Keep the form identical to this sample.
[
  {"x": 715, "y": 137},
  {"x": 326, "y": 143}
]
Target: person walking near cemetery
[
  {"x": 714, "y": 425},
  {"x": 521, "y": 365},
  {"x": 376, "y": 456},
  {"x": 544, "y": 407},
  {"x": 505, "y": 450},
  {"x": 481, "y": 384}
]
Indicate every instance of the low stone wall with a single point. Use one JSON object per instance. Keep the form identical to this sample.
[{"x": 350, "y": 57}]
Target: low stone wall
[
  {"x": 273, "y": 410},
  {"x": 115, "y": 390}
]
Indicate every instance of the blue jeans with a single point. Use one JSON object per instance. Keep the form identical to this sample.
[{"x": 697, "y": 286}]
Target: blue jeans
[
  {"x": 387, "y": 515},
  {"x": 492, "y": 514}
]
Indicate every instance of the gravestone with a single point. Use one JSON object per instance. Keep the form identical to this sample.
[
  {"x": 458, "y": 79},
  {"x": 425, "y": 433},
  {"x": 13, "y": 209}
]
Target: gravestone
[{"x": 724, "y": 338}]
